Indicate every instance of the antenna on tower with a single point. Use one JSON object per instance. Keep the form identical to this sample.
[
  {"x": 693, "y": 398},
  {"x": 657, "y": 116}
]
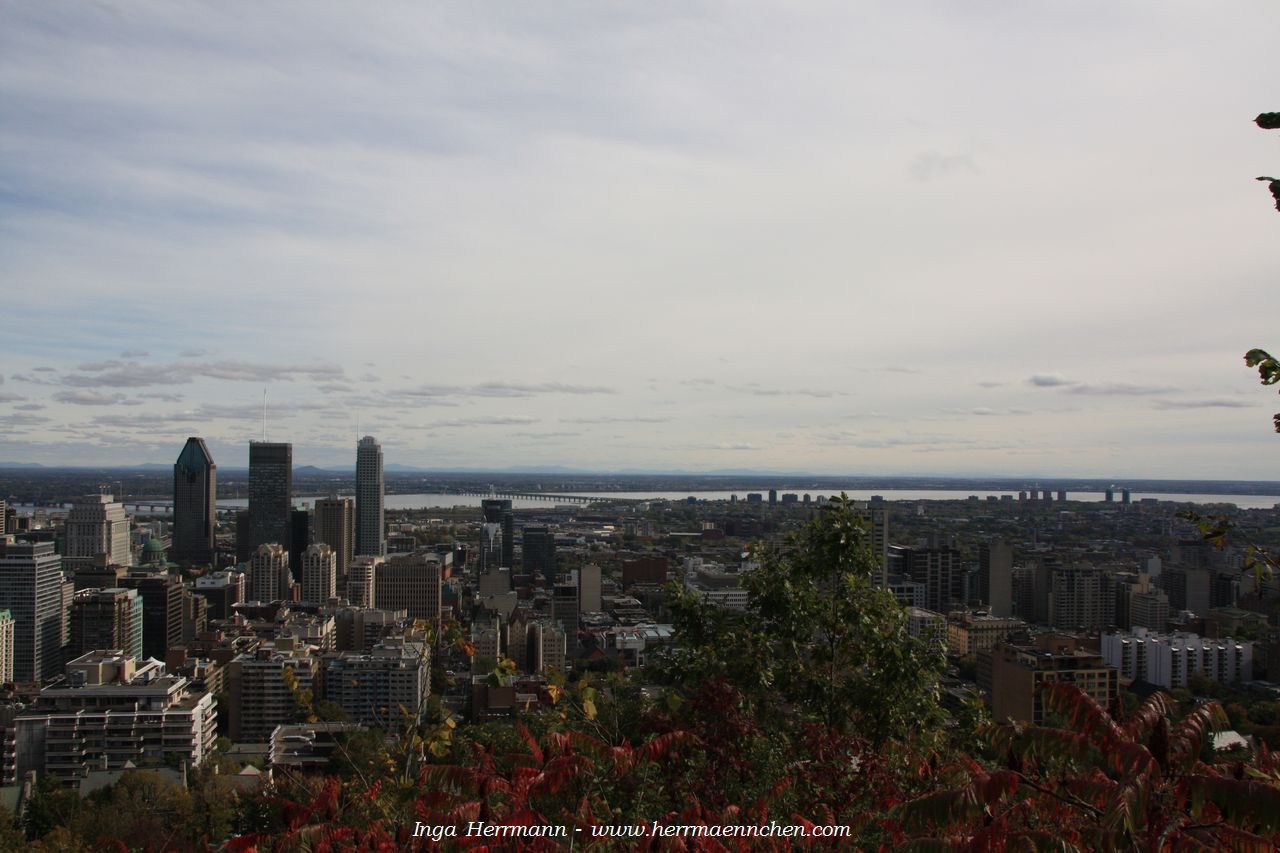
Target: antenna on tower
[{"x": 264, "y": 414}]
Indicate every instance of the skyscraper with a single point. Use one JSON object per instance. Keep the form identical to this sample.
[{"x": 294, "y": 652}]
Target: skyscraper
[
  {"x": 369, "y": 492},
  {"x": 995, "y": 577},
  {"x": 270, "y": 494},
  {"x": 490, "y": 547},
  {"x": 195, "y": 490},
  {"x": 335, "y": 526},
  {"x": 498, "y": 511},
  {"x": 31, "y": 590},
  {"x": 97, "y": 525},
  {"x": 538, "y": 546}
]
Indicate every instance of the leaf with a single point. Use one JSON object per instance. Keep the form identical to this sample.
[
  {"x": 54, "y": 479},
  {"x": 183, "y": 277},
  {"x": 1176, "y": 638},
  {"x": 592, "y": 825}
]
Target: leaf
[{"x": 1242, "y": 802}]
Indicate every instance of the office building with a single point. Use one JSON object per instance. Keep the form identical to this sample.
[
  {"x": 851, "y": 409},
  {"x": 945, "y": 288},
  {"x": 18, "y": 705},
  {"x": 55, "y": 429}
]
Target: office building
[
  {"x": 221, "y": 590},
  {"x": 370, "y": 529},
  {"x": 412, "y": 583},
  {"x": 195, "y": 492},
  {"x": 564, "y": 606},
  {"x": 1188, "y": 588},
  {"x": 96, "y": 526},
  {"x": 589, "y": 589},
  {"x": 498, "y": 511},
  {"x": 106, "y": 619},
  {"x": 995, "y": 577},
  {"x": 538, "y": 553},
  {"x": 31, "y": 590},
  {"x": 491, "y": 547},
  {"x": 161, "y": 596},
  {"x": 969, "y": 633},
  {"x": 546, "y": 647},
  {"x": 334, "y": 524},
  {"x": 270, "y": 495},
  {"x": 319, "y": 574},
  {"x": 269, "y": 578}
]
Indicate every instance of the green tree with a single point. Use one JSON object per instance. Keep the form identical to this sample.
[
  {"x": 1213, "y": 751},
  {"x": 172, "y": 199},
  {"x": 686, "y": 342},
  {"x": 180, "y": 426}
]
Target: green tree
[{"x": 817, "y": 639}]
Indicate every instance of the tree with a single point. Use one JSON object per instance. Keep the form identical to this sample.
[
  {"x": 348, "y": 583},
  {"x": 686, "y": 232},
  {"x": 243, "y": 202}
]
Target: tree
[
  {"x": 1270, "y": 121},
  {"x": 1101, "y": 783},
  {"x": 818, "y": 640}
]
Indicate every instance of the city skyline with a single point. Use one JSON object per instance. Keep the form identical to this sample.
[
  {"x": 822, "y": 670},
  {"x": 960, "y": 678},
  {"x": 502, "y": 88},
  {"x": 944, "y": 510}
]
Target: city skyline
[{"x": 978, "y": 241}]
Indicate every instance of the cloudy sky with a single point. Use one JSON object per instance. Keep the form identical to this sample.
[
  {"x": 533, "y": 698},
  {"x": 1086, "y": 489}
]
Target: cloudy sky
[{"x": 919, "y": 237}]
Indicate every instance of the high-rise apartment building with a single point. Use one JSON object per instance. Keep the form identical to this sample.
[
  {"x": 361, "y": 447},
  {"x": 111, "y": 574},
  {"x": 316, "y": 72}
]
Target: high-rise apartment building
[
  {"x": 1169, "y": 660},
  {"x": 383, "y": 687},
  {"x": 31, "y": 590},
  {"x": 195, "y": 492},
  {"x": 1080, "y": 598},
  {"x": 106, "y": 619},
  {"x": 1011, "y": 675},
  {"x": 939, "y": 569},
  {"x": 111, "y": 713},
  {"x": 319, "y": 574},
  {"x": 270, "y": 495},
  {"x": 269, "y": 575},
  {"x": 362, "y": 581},
  {"x": 96, "y": 525},
  {"x": 498, "y": 511},
  {"x": 334, "y": 524},
  {"x": 370, "y": 527},
  {"x": 262, "y": 688}
]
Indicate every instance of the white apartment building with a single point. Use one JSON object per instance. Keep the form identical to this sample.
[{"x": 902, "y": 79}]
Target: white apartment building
[{"x": 1168, "y": 660}]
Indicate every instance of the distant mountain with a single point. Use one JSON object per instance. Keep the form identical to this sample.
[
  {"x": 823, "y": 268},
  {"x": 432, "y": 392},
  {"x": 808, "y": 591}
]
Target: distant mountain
[
  {"x": 311, "y": 470},
  {"x": 20, "y": 465}
]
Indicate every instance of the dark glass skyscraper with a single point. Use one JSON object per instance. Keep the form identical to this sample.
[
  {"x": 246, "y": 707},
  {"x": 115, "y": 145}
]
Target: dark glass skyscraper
[
  {"x": 498, "y": 511},
  {"x": 270, "y": 494},
  {"x": 369, "y": 494},
  {"x": 538, "y": 550},
  {"x": 195, "y": 490}
]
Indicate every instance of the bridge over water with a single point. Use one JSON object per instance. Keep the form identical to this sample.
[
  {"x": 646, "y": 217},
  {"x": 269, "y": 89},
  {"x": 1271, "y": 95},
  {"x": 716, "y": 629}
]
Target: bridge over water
[
  {"x": 147, "y": 506},
  {"x": 544, "y": 496}
]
